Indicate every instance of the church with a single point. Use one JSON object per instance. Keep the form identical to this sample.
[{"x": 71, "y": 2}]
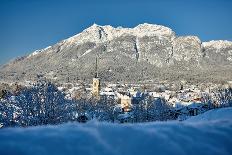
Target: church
[{"x": 96, "y": 83}]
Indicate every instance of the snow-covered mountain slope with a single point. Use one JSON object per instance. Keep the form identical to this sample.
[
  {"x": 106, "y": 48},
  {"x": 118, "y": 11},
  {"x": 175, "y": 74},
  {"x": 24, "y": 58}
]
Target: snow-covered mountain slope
[
  {"x": 155, "y": 49},
  {"x": 194, "y": 136}
]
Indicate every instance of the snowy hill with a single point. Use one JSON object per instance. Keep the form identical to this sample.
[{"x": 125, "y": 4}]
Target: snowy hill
[
  {"x": 197, "y": 135},
  {"x": 124, "y": 53},
  {"x": 224, "y": 114}
]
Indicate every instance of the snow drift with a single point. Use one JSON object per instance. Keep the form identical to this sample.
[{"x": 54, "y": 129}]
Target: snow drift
[
  {"x": 223, "y": 114},
  {"x": 209, "y": 133}
]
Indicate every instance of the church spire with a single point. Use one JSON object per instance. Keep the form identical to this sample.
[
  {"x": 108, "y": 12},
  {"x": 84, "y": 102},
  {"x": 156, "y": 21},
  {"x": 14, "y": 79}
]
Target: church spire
[
  {"x": 96, "y": 68},
  {"x": 96, "y": 82}
]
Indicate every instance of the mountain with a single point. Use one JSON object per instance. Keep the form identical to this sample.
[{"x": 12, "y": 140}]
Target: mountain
[{"x": 147, "y": 51}]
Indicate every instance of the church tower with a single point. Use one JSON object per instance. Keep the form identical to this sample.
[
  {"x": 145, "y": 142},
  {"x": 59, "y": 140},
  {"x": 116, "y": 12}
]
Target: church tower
[{"x": 96, "y": 82}]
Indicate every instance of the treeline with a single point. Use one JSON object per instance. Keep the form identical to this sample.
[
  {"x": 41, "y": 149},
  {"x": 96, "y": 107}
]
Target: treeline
[{"x": 43, "y": 104}]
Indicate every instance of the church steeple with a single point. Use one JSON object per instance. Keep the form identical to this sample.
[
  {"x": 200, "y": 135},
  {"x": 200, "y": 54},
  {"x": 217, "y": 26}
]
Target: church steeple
[
  {"x": 96, "y": 68},
  {"x": 96, "y": 82}
]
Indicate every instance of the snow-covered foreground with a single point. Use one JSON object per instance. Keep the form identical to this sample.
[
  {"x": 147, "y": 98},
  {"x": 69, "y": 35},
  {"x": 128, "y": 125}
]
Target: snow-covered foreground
[{"x": 209, "y": 133}]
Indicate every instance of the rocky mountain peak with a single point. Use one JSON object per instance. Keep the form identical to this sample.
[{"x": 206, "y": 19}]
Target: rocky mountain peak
[
  {"x": 100, "y": 34},
  {"x": 153, "y": 30},
  {"x": 217, "y": 44}
]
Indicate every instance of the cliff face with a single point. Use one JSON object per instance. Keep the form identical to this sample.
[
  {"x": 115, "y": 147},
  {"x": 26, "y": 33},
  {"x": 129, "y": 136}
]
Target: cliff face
[
  {"x": 132, "y": 54},
  {"x": 218, "y": 53}
]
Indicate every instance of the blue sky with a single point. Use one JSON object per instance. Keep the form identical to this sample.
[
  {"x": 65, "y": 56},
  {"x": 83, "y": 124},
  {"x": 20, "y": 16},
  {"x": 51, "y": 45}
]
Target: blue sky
[{"x": 28, "y": 25}]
